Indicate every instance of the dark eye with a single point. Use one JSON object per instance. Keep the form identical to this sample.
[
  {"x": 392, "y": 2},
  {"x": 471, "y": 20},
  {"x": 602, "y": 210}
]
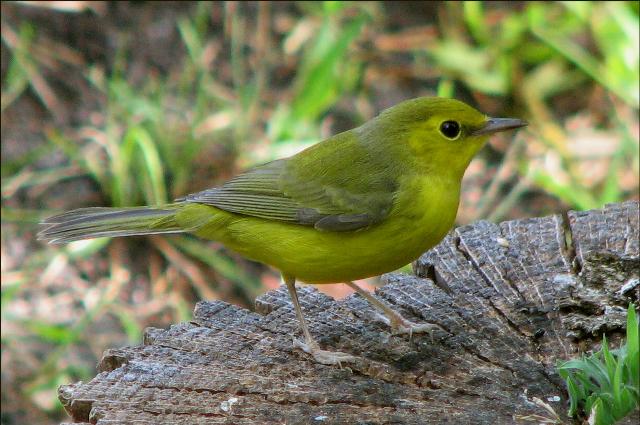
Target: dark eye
[{"x": 450, "y": 129}]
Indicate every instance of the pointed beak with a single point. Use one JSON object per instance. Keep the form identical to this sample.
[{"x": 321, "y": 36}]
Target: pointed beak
[{"x": 494, "y": 125}]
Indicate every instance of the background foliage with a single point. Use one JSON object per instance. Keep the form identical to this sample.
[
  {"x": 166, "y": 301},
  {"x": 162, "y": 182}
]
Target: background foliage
[{"x": 132, "y": 103}]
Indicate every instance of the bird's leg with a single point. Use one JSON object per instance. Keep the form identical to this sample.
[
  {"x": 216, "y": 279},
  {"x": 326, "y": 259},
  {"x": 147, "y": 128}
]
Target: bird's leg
[
  {"x": 392, "y": 317},
  {"x": 310, "y": 345}
]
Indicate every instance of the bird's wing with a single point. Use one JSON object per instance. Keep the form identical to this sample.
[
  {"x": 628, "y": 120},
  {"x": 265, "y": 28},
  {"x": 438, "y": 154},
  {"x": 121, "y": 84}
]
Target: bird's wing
[{"x": 333, "y": 186}]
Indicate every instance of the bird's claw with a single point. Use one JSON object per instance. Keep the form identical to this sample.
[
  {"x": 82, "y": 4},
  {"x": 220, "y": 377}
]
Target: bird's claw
[
  {"x": 407, "y": 327},
  {"x": 402, "y": 326},
  {"x": 324, "y": 356}
]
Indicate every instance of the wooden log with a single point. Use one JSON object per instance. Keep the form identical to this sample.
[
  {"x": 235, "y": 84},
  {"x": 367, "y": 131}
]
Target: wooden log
[{"x": 511, "y": 299}]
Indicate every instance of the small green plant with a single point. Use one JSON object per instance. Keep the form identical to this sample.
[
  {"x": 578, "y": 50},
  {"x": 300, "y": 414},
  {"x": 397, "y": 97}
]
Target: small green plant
[{"x": 605, "y": 386}]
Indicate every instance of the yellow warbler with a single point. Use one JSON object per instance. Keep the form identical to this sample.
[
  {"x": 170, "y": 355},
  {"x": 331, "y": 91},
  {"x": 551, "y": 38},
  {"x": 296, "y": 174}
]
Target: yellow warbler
[{"x": 358, "y": 204}]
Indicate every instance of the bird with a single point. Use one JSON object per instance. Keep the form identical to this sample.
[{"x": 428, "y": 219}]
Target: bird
[{"x": 358, "y": 204}]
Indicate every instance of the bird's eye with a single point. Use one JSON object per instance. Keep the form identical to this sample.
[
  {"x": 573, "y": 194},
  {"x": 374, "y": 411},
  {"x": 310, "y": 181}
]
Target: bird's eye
[{"x": 450, "y": 129}]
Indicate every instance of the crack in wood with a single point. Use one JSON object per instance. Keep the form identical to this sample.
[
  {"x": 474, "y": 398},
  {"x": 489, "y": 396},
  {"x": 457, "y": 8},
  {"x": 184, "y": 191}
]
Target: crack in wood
[
  {"x": 508, "y": 321},
  {"x": 478, "y": 268},
  {"x": 567, "y": 246}
]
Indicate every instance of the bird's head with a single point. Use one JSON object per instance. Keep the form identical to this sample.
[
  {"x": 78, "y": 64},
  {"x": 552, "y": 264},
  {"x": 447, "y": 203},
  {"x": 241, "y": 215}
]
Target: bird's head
[{"x": 436, "y": 134}]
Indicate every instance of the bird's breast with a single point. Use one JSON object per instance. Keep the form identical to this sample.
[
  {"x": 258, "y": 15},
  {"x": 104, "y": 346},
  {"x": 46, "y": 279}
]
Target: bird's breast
[{"x": 428, "y": 200}]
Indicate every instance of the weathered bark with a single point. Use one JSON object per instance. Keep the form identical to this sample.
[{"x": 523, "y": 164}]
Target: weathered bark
[{"x": 512, "y": 299}]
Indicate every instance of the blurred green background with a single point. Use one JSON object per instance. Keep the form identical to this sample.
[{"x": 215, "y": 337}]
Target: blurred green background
[{"x": 139, "y": 103}]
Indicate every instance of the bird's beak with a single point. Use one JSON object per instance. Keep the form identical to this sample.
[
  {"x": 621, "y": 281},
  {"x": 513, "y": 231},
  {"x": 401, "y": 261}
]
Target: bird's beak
[{"x": 494, "y": 125}]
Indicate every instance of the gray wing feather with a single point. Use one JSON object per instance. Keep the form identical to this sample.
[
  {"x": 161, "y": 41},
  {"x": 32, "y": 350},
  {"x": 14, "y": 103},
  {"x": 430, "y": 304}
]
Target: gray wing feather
[{"x": 261, "y": 192}]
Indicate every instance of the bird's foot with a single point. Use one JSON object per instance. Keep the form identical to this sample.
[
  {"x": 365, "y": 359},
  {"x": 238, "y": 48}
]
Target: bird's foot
[
  {"x": 402, "y": 326},
  {"x": 324, "y": 356},
  {"x": 392, "y": 318}
]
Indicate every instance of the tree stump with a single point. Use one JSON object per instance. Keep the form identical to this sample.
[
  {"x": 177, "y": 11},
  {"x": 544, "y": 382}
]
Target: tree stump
[{"x": 511, "y": 299}]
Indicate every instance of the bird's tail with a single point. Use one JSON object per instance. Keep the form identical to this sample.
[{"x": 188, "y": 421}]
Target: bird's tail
[{"x": 87, "y": 223}]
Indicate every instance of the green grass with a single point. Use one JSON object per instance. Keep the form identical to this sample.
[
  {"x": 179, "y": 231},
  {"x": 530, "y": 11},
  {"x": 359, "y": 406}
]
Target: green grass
[
  {"x": 605, "y": 386},
  {"x": 327, "y": 72}
]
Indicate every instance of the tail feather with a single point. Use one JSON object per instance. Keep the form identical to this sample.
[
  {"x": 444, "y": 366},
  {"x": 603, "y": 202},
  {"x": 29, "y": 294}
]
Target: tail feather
[{"x": 88, "y": 223}]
